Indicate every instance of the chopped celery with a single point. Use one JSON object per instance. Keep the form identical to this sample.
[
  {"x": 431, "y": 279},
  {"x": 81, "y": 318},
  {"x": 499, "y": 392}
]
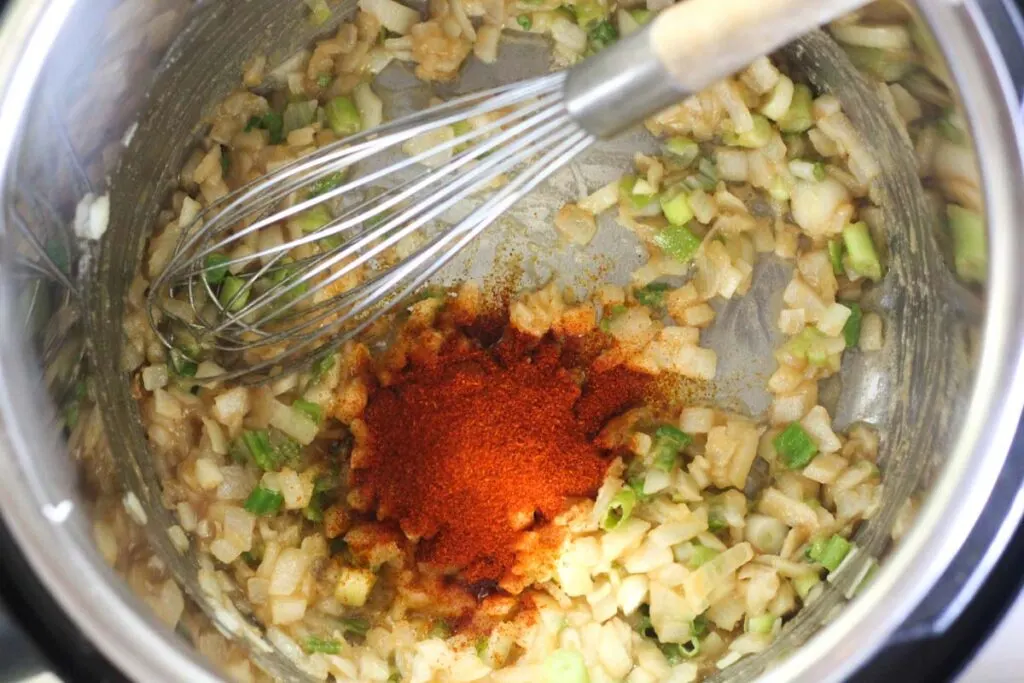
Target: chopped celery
[
  {"x": 804, "y": 583},
  {"x": 886, "y": 65},
  {"x": 263, "y": 501},
  {"x": 798, "y": 118},
  {"x": 677, "y": 652},
  {"x": 676, "y": 207},
  {"x": 298, "y": 115},
  {"x": 565, "y": 666},
  {"x": 311, "y": 410},
  {"x": 524, "y": 21},
  {"x": 653, "y": 295},
  {"x": 970, "y": 249},
  {"x": 758, "y": 136},
  {"x": 181, "y": 364},
  {"x": 683, "y": 148},
  {"x": 329, "y": 182},
  {"x": 234, "y": 293},
  {"x": 343, "y": 116},
  {"x": 601, "y": 35},
  {"x": 356, "y": 625},
  {"x": 678, "y": 242},
  {"x": 833, "y": 553},
  {"x": 699, "y": 626},
  {"x": 835, "y": 255},
  {"x": 668, "y": 441},
  {"x": 701, "y": 555},
  {"x": 795, "y": 446},
  {"x": 763, "y": 623},
  {"x": 620, "y": 509},
  {"x": 327, "y": 647},
  {"x": 860, "y": 251},
  {"x": 636, "y": 484},
  {"x": 312, "y": 219},
  {"x": 215, "y": 268},
  {"x": 257, "y": 443},
  {"x": 636, "y": 202},
  {"x": 851, "y": 330}
]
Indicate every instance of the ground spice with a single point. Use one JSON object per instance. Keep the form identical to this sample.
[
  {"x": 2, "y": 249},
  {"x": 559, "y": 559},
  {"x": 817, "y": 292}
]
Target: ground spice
[{"x": 470, "y": 452}]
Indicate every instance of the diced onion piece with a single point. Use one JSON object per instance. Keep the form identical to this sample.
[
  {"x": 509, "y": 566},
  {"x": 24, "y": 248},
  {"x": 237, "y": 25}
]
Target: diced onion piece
[
  {"x": 370, "y": 106},
  {"x": 575, "y": 224},
  {"x": 766, "y": 534},
  {"x": 815, "y": 203},
  {"x": 354, "y": 586},
  {"x": 778, "y": 103},
  {"x": 891, "y": 37},
  {"x": 601, "y": 199},
  {"x": 392, "y": 15},
  {"x": 293, "y": 422}
]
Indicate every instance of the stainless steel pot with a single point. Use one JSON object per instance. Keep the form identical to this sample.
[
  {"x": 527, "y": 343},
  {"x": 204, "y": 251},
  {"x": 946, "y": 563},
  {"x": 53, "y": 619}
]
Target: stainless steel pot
[{"x": 102, "y": 97}]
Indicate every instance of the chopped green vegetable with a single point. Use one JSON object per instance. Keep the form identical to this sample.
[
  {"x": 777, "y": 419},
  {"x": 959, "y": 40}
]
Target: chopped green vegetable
[
  {"x": 225, "y": 161},
  {"x": 678, "y": 242},
  {"x": 320, "y": 12},
  {"x": 273, "y": 123},
  {"x": 613, "y": 313},
  {"x": 565, "y": 666},
  {"x": 668, "y": 441},
  {"x": 588, "y": 13},
  {"x": 716, "y": 522},
  {"x": 798, "y": 118},
  {"x": 619, "y": 509},
  {"x": 251, "y": 558},
  {"x": 481, "y": 646},
  {"x": 833, "y": 552},
  {"x": 327, "y": 647},
  {"x": 795, "y": 446},
  {"x": 440, "y": 629},
  {"x": 684, "y": 149},
  {"x": 234, "y": 293},
  {"x": 524, "y": 21},
  {"x": 327, "y": 183},
  {"x": 835, "y": 255},
  {"x": 756, "y": 137},
  {"x": 702, "y": 555},
  {"x": 948, "y": 127},
  {"x": 886, "y": 65},
  {"x": 312, "y": 219},
  {"x": 355, "y": 625},
  {"x": 314, "y": 512},
  {"x": 309, "y": 409},
  {"x": 804, "y": 583},
  {"x": 860, "y": 251},
  {"x": 215, "y": 268},
  {"x": 653, "y": 295},
  {"x": 676, "y": 207},
  {"x": 636, "y": 202},
  {"x": 763, "y": 623},
  {"x": 815, "y": 549},
  {"x": 970, "y": 248},
  {"x": 677, "y": 652},
  {"x": 181, "y": 364},
  {"x": 342, "y": 116},
  {"x": 601, "y": 35},
  {"x": 257, "y": 443},
  {"x": 263, "y": 501},
  {"x": 323, "y": 80},
  {"x": 320, "y": 368},
  {"x": 851, "y": 330},
  {"x": 636, "y": 484},
  {"x": 641, "y": 16},
  {"x": 298, "y": 115},
  {"x": 699, "y": 626}
]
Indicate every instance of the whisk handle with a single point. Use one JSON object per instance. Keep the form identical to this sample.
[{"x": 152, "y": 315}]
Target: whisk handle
[{"x": 687, "y": 47}]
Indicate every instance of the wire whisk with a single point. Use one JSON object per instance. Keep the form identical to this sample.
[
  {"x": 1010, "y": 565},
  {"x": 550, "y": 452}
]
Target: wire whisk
[{"x": 299, "y": 261}]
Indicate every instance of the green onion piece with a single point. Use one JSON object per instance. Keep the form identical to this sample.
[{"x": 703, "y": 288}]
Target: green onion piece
[
  {"x": 320, "y": 368},
  {"x": 756, "y": 137},
  {"x": 860, "y": 251},
  {"x": 699, "y": 626},
  {"x": 355, "y": 625},
  {"x": 676, "y": 207},
  {"x": 798, "y": 118},
  {"x": 327, "y": 183},
  {"x": 653, "y": 295},
  {"x": 947, "y": 128},
  {"x": 254, "y": 122},
  {"x": 835, "y": 255},
  {"x": 257, "y": 443},
  {"x": 763, "y": 623},
  {"x": 524, "y": 21},
  {"x": 701, "y": 555},
  {"x": 588, "y": 13},
  {"x": 225, "y": 161},
  {"x": 613, "y": 313},
  {"x": 795, "y": 446},
  {"x": 677, "y": 652},
  {"x": 234, "y": 293},
  {"x": 327, "y": 647},
  {"x": 263, "y": 501},
  {"x": 273, "y": 123},
  {"x": 641, "y": 16},
  {"x": 286, "y": 449},
  {"x": 835, "y": 550},
  {"x": 678, "y": 242},
  {"x": 815, "y": 549},
  {"x": 716, "y": 522},
  {"x": 601, "y": 35},
  {"x": 441, "y": 629},
  {"x": 636, "y": 484},
  {"x": 181, "y": 364},
  {"x": 635, "y": 202},
  {"x": 312, "y": 219},
  {"x": 251, "y": 558},
  {"x": 342, "y": 116},
  {"x": 970, "y": 248},
  {"x": 314, "y": 512},
  {"x": 309, "y": 409},
  {"x": 804, "y": 583},
  {"x": 323, "y": 80},
  {"x": 668, "y": 441},
  {"x": 683, "y": 149},
  {"x": 619, "y": 509},
  {"x": 481, "y": 646},
  {"x": 565, "y": 666},
  {"x": 298, "y": 115},
  {"x": 215, "y": 267},
  {"x": 851, "y": 330}
]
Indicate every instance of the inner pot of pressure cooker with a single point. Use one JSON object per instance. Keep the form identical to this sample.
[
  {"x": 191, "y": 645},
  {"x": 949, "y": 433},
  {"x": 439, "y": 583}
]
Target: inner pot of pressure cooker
[{"x": 660, "y": 421}]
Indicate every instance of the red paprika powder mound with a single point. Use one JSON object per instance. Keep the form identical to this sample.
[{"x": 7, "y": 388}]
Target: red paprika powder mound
[{"x": 470, "y": 452}]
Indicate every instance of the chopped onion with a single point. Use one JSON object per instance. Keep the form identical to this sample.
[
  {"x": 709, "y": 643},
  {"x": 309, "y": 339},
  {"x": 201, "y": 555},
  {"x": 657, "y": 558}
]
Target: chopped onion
[{"x": 392, "y": 15}]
